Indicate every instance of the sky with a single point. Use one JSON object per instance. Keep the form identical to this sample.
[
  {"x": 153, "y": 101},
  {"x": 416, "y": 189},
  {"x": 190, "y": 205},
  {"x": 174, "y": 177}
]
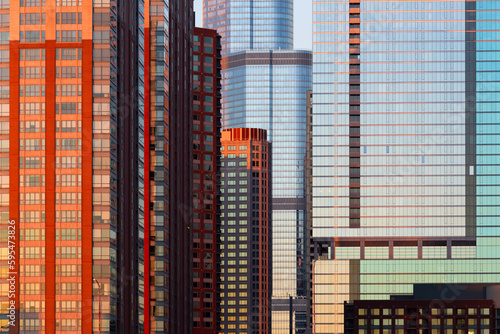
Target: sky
[{"x": 302, "y": 10}]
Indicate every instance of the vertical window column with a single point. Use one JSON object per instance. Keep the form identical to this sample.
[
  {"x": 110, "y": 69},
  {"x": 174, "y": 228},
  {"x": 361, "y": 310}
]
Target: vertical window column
[{"x": 354, "y": 113}]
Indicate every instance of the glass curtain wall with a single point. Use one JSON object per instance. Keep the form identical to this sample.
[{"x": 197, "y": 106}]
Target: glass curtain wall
[
  {"x": 250, "y": 24},
  {"x": 405, "y": 127}
]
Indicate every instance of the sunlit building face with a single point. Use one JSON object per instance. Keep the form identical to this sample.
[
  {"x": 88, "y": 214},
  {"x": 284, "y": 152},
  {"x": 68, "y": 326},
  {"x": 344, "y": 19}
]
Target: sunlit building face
[
  {"x": 404, "y": 148},
  {"x": 78, "y": 118}
]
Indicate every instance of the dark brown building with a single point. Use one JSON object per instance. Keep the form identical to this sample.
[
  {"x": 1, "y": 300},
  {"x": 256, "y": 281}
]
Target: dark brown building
[
  {"x": 245, "y": 233},
  {"x": 206, "y": 177},
  {"x": 432, "y": 309},
  {"x": 179, "y": 155}
]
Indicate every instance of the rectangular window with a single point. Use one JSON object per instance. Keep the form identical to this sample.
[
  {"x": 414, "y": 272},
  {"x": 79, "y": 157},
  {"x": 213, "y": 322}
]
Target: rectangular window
[
  {"x": 101, "y": 54},
  {"x": 32, "y": 72},
  {"x": 4, "y": 20},
  {"x": 68, "y": 36},
  {"x": 32, "y": 3},
  {"x": 101, "y": 72},
  {"x": 101, "y": 36},
  {"x": 4, "y": 147},
  {"x": 66, "y": 108},
  {"x": 66, "y": 90},
  {"x": 31, "y": 54},
  {"x": 66, "y": 54},
  {"x": 4, "y": 92},
  {"x": 32, "y": 108},
  {"x": 32, "y": 36},
  {"x": 67, "y": 18},
  {"x": 4, "y": 56},
  {"x": 4, "y": 38},
  {"x": 68, "y": 3},
  {"x": 34, "y": 145},
  {"x": 32, "y": 163},
  {"x": 66, "y": 72},
  {"x": 32, "y": 18}
]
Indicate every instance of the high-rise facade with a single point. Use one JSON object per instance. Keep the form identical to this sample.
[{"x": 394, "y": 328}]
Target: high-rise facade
[
  {"x": 206, "y": 177},
  {"x": 266, "y": 89},
  {"x": 405, "y": 145},
  {"x": 94, "y": 186},
  {"x": 250, "y": 24},
  {"x": 169, "y": 94},
  {"x": 308, "y": 217},
  {"x": 244, "y": 273}
]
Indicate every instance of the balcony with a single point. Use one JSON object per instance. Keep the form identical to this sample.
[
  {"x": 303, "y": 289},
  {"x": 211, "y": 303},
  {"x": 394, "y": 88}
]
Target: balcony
[
  {"x": 354, "y": 110},
  {"x": 354, "y": 18},
  {"x": 354, "y": 223},
  {"x": 354, "y": 61},
  {"x": 354, "y": 205},
  {"x": 354, "y": 215},
  {"x": 354, "y": 100},
  {"x": 354, "y": 194},
  {"x": 354, "y": 48},
  {"x": 354, "y": 71},
  {"x": 354, "y": 80},
  {"x": 354, "y": 164},
  {"x": 354, "y": 152},
  {"x": 354, "y": 172}
]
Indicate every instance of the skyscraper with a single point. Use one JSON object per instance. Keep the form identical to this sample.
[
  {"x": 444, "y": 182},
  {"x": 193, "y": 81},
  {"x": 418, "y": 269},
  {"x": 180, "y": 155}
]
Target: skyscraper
[
  {"x": 171, "y": 126},
  {"x": 245, "y": 233},
  {"x": 97, "y": 196},
  {"x": 405, "y": 146},
  {"x": 206, "y": 177},
  {"x": 266, "y": 89},
  {"x": 251, "y": 25}
]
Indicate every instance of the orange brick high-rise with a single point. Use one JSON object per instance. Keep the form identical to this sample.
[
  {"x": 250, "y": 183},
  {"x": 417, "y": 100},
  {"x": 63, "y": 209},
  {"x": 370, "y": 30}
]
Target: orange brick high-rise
[{"x": 95, "y": 109}]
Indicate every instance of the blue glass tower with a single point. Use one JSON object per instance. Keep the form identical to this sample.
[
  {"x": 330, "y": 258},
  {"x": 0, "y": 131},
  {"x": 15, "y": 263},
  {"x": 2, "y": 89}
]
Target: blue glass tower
[
  {"x": 251, "y": 24},
  {"x": 264, "y": 85},
  {"x": 267, "y": 89},
  {"x": 406, "y": 140}
]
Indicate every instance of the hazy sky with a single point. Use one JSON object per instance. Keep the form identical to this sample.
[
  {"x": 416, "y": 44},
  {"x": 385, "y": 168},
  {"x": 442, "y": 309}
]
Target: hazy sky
[{"x": 302, "y": 13}]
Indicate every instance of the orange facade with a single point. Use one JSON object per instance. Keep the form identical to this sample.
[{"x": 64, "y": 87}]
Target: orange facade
[
  {"x": 87, "y": 127},
  {"x": 52, "y": 218}
]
